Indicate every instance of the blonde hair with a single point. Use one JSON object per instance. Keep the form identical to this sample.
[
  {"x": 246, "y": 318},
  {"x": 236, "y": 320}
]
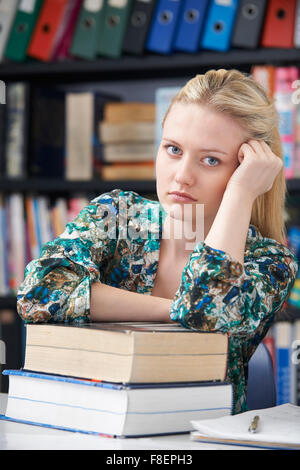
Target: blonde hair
[{"x": 239, "y": 96}]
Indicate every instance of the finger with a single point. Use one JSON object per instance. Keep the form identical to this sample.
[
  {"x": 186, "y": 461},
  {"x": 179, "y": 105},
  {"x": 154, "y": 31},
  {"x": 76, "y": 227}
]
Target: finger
[
  {"x": 245, "y": 151},
  {"x": 257, "y": 147},
  {"x": 267, "y": 148},
  {"x": 269, "y": 151}
]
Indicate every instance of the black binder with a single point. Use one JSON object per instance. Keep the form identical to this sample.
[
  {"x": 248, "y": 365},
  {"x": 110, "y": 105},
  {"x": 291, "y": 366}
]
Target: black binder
[
  {"x": 249, "y": 23},
  {"x": 138, "y": 26}
]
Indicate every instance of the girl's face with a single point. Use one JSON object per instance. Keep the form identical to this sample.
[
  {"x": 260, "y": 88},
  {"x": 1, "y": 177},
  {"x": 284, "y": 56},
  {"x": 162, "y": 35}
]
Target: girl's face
[{"x": 197, "y": 155}]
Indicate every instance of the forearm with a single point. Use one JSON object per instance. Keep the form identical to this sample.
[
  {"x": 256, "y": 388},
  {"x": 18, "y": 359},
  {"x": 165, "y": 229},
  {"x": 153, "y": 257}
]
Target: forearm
[
  {"x": 230, "y": 227},
  {"x": 113, "y": 304}
]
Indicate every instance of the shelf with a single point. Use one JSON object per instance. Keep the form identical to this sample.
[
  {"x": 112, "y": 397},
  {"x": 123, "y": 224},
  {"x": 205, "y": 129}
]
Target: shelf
[
  {"x": 8, "y": 302},
  {"x": 8, "y": 185},
  {"x": 146, "y": 66},
  {"x": 60, "y": 186}
]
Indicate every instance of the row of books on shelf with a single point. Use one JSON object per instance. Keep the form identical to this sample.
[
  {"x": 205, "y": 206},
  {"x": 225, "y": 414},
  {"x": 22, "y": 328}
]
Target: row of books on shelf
[
  {"x": 26, "y": 224},
  {"x": 80, "y": 134},
  {"x": 51, "y": 30},
  {"x": 76, "y": 135}
]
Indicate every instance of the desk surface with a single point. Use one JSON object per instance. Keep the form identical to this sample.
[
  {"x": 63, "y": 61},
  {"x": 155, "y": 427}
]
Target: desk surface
[{"x": 17, "y": 436}]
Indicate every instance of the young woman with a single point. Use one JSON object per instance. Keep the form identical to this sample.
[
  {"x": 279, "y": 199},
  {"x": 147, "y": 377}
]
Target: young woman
[{"x": 126, "y": 258}]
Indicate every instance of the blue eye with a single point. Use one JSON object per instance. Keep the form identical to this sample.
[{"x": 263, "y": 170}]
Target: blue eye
[
  {"x": 175, "y": 150},
  {"x": 213, "y": 158}
]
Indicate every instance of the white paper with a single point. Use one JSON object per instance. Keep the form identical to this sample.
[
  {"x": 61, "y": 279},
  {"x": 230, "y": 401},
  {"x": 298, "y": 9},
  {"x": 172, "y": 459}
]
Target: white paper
[{"x": 279, "y": 424}]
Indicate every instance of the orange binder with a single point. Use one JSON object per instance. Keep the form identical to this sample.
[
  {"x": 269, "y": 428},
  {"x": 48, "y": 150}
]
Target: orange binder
[
  {"x": 43, "y": 37},
  {"x": 278, "y": 29}
]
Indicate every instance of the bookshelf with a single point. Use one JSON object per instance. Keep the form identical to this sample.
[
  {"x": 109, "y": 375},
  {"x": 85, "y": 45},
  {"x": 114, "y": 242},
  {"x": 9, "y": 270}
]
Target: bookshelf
[
  {"x": 45, "y": 185},
  {"x": 147, "y": 66},
  {"x": 148, "y": 69}
]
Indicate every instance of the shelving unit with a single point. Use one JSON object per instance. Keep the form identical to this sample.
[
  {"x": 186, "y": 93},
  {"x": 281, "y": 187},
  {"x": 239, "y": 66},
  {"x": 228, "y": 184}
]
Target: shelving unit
[
  {"x": 61, "y": 186},
  {"x": 147, "y": 66},
  {"x": 122, "y": 71}
]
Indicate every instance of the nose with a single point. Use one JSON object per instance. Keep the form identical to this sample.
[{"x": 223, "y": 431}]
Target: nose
[{"x": 184, "y": 172}]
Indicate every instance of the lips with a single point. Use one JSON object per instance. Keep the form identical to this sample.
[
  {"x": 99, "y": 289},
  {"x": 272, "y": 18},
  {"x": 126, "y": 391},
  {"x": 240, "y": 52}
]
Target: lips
[{"x": 183, "y": 195}]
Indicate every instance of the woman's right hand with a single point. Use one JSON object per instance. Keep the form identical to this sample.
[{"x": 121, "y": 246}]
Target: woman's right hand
[{"x": 257, "y": 170}]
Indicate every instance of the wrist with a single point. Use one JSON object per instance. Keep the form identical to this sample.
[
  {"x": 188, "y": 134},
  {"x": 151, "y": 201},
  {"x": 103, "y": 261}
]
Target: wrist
[{"x": 244, "y": 196}]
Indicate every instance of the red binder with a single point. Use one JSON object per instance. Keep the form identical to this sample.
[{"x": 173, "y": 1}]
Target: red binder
[
  {"x": 279, "y": 24},
  {"x": 61, "y": 48},
  {"x": 50, "y": 17}
]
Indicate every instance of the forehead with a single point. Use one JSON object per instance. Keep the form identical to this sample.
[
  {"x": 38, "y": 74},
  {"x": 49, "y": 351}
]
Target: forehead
[{"x": 204, "y": 125}]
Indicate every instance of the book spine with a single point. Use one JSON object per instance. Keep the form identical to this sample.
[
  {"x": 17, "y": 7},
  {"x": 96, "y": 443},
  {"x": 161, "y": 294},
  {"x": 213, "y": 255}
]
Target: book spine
[
  {"x": 283, "y": 362},
  {"x": 285, "y": 76}
]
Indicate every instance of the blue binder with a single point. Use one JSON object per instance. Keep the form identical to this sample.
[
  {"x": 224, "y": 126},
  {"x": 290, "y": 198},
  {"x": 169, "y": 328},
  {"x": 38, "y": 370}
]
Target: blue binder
[
  {"x": 219, "y": 25},
  {"x": 162, "y": 30},
  {"x": 191, "y": 23}
]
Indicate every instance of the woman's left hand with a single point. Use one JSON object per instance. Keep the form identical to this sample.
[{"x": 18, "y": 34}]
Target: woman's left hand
[{"x": 258, "y": 168}]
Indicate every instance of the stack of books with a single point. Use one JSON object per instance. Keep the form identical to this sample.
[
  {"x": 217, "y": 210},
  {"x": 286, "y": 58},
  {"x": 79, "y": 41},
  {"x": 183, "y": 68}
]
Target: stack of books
[
  {"x": 120, "y": 379},
  {"x": 127, "y": 134}
]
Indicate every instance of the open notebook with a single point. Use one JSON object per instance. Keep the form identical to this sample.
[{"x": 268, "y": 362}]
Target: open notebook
[{"x": 278, "y": 428}]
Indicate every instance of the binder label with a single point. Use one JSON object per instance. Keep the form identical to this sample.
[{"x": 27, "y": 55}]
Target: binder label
[
  {"x": 117, "y": 3},
  {"x": 27, "y": 6},
  {"x": 2, "y": 92},
  {"x": 93, "y": 5},
  {"x": 225, "y": 3}
]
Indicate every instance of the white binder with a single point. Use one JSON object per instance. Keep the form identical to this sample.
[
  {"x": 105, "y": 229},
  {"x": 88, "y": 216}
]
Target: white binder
[
  {"x": 297, "y": 25},
  {"x": 8, "y": 9}
]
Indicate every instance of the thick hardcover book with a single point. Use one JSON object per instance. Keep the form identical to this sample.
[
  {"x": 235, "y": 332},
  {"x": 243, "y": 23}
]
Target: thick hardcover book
[
  {"x": 127, "y": 352},
  {"x": 112, "y": 409}
]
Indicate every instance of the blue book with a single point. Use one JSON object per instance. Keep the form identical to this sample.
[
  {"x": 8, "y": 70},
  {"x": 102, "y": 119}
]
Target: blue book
[
  {"x": 283, "y": 339},
  {"x": 113, "y": 409},
  {"x": 219, "y": 25},
  {"x": 192, "y": 20},
  {"x": 163, "y": 26}
]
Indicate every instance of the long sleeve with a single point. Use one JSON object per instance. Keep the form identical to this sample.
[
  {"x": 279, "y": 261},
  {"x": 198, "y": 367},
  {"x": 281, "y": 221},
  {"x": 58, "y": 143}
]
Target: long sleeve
[
  {"x": 217, "y": 293},
  {"x": 56, "y": 286}
]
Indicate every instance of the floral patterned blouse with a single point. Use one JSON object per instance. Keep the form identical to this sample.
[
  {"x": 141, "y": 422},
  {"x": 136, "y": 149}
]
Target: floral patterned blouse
[{"x": 115, "y": 239}]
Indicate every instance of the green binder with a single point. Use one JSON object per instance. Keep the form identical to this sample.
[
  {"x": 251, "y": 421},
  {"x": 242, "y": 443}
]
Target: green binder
[
  {"x": 112, "y": 33},
  {"x": 85, "y": 37},
  {"x": 22, "y": 29}
]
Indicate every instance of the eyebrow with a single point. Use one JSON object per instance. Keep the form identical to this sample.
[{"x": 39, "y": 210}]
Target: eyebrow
[{"x": 202, "y": 150}]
